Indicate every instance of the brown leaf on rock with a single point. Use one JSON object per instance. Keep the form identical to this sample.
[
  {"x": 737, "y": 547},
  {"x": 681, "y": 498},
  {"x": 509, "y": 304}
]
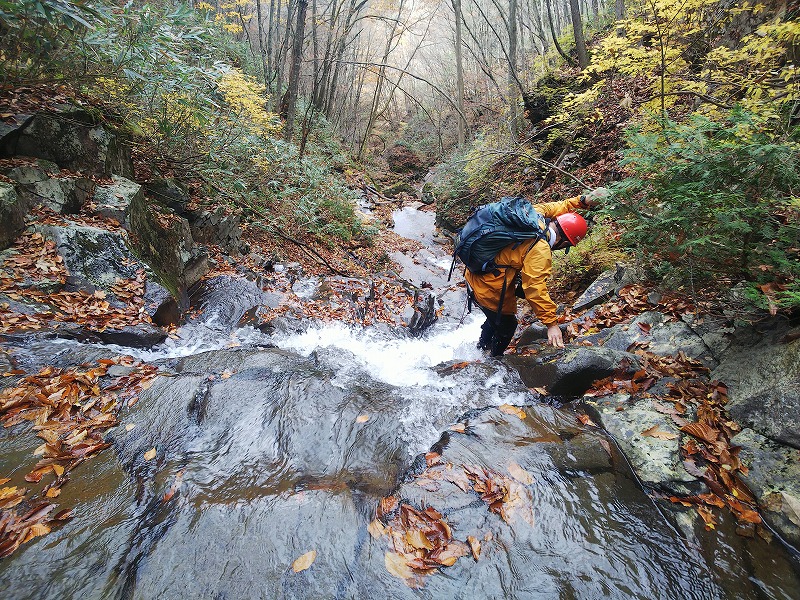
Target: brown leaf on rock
[
  {"x": 701, "y": 431},
  {"x": 397, "y": 565},
  {"x": 386, "y": 506},
  {"x": 304, "y": 561},
  {"x": 474, "y": 546},
  {"x": 657, "y": 433},
  {"x": 512, "y": 410},
  {"x": 519, "y": 473}
]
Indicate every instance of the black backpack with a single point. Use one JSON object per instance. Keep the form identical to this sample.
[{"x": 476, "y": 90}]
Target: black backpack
[{"x": 494, "y": 226}]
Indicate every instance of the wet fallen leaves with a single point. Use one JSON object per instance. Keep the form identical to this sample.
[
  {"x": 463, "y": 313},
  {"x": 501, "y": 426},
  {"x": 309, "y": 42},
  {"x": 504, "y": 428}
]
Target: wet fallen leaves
[
  {"x": 706, "y": 448},
  {"x": 70, "y": 410},
  {"x": 420, "y": 539},
  {"x": 35, "y": 262}
]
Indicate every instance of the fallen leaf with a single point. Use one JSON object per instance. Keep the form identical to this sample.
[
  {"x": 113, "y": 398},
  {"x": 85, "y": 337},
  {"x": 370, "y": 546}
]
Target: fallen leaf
[
  {"x": 376, "y": 529},
  {"x": 416, "y": 539},
  {"x": 150, "y": 454},
  {"x": 59, "y": 470},
  {"x": 130, "y": 426},
  {"x": 474, "y": 546},
  {"x": 397, "y": 565},
  {"x": 586, "y": 420},
  {"x": 655, "y": 432},
  {"x": 304, "y": 561},
  {"x": 512, "y": 410},
  {"x": 458, "y": 427},
  {"x": 519, "y": 473},
  {"x": 362, "y": 418}
]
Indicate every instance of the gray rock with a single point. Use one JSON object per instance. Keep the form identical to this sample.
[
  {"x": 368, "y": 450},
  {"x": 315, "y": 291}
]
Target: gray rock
[
  {"x": 26, "y": 174},
  {"x": 656, "y": 461},
  {"x": 73, "y": 139},
  {"x": 599, "y": 291},
  {"x": 164, "y": 240},
  {"x": 95, "y": 258},
  {"x": 571, "y": 372},
  {"x": 10, "y": 130},
  {"x": 663, "y": 337},
  {"x": 774, "y": 478},
  {"x": 63, "y": 194},
  {"x": 224, "y": 300},
  {"x": 12, "y": 215},
  {"x": 112, "y": 200},
  {"x": 763, "y": 379},
  {"x": 168, "y": 192}
]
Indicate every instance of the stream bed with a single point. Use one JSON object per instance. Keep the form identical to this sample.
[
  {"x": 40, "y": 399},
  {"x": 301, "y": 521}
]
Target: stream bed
[{"x": 268, "y": 447}]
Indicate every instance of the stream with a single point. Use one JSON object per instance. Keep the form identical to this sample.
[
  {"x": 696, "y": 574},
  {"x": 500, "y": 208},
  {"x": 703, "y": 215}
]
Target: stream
[{"x": 272, "y": 446}]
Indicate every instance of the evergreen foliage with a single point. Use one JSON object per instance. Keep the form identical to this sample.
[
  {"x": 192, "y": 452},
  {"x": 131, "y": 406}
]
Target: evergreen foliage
[{"x": 716, "y": 200}]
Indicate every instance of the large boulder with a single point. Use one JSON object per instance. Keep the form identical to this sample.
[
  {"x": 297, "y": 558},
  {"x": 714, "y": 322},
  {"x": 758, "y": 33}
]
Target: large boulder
[
  {"x": 64, "y": 194},
  {"x": 660, "y": 336},
  {"x": 94, "y": 258},
  {"x": 762, "y": 371},
  {"x": 774, "y": 478},
  {"x": 571, "y": 372},
  {"x": 656, "y": 459},
  {"x": 164, "y": 240},
  {"x": 12, "y": 215},
  {"x": 74, "y": 139},
  {"x": 113, "y": 199}
]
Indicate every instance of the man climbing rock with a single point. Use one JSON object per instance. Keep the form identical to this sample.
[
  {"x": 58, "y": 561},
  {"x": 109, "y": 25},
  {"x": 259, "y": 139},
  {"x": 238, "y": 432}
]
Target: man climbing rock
[{"x": 532, "y": 259}]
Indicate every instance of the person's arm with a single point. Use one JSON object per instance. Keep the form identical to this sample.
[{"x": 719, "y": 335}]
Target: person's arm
[
  {"x": 535, "y": 271},
  {"x": 555, "y": 209},
  {"x": 587, "y": 200}
]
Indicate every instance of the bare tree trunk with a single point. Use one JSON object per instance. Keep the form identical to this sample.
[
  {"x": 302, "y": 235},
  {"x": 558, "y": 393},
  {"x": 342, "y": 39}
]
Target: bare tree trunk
[
  {"x": 577, "y": 28},
  {"x": 271, "y": 33},
  {"x": 619, "y": 13},
  {"x": 294, "y": 72},
  {"x": 261, "y": 48},
  {"x": 558, "y": 47},
  {"x": 459, "y": 74},
  {"x": 373, "y": 113},
  {"x": 283, "y": 54},
  {"x": 340, "y": 48},
  {"x": 513, "y": 81}
]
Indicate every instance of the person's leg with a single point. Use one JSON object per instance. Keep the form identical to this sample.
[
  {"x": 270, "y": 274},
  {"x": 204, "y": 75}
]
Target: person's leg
[{"x": 495, "y": 336}]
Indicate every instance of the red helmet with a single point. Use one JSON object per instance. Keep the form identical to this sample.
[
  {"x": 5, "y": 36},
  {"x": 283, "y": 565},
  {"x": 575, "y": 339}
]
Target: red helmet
[{"x": 574, "y": 227}]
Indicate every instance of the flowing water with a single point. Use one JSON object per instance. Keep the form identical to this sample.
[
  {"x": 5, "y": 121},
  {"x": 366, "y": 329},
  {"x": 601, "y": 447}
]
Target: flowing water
[{"x": 270, "y": 446}]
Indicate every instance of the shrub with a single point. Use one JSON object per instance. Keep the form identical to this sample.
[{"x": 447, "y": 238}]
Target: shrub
[{"x": 716, "y": 201}]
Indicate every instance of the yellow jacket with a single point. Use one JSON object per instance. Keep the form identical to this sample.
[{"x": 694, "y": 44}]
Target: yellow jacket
[{"x": 535, "y": 259}]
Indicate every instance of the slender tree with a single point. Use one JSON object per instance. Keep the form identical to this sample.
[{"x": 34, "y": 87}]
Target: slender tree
[
  {"x": 459, "y": 72},
  {"x": 577, "y": 28},
  {"x": 294, "y": 71}
]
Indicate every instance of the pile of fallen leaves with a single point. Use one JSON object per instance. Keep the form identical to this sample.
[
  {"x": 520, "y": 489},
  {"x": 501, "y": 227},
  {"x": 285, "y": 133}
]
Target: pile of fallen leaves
[
  {"x": 35, "y": 262},
  {"x": 710, "y": 447},
  {"x": 631, "y": 301},
  {"x": 707, "y": 452},
  {"x": 70, "y": 410},
  {"x": 421, "y": 541}
]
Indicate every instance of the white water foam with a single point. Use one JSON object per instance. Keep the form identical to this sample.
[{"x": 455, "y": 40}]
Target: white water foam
[{"x": 402, "y": 362}]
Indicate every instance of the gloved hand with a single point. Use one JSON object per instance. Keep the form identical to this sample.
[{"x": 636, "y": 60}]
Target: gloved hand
[{"x": 592, "y": 198}]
